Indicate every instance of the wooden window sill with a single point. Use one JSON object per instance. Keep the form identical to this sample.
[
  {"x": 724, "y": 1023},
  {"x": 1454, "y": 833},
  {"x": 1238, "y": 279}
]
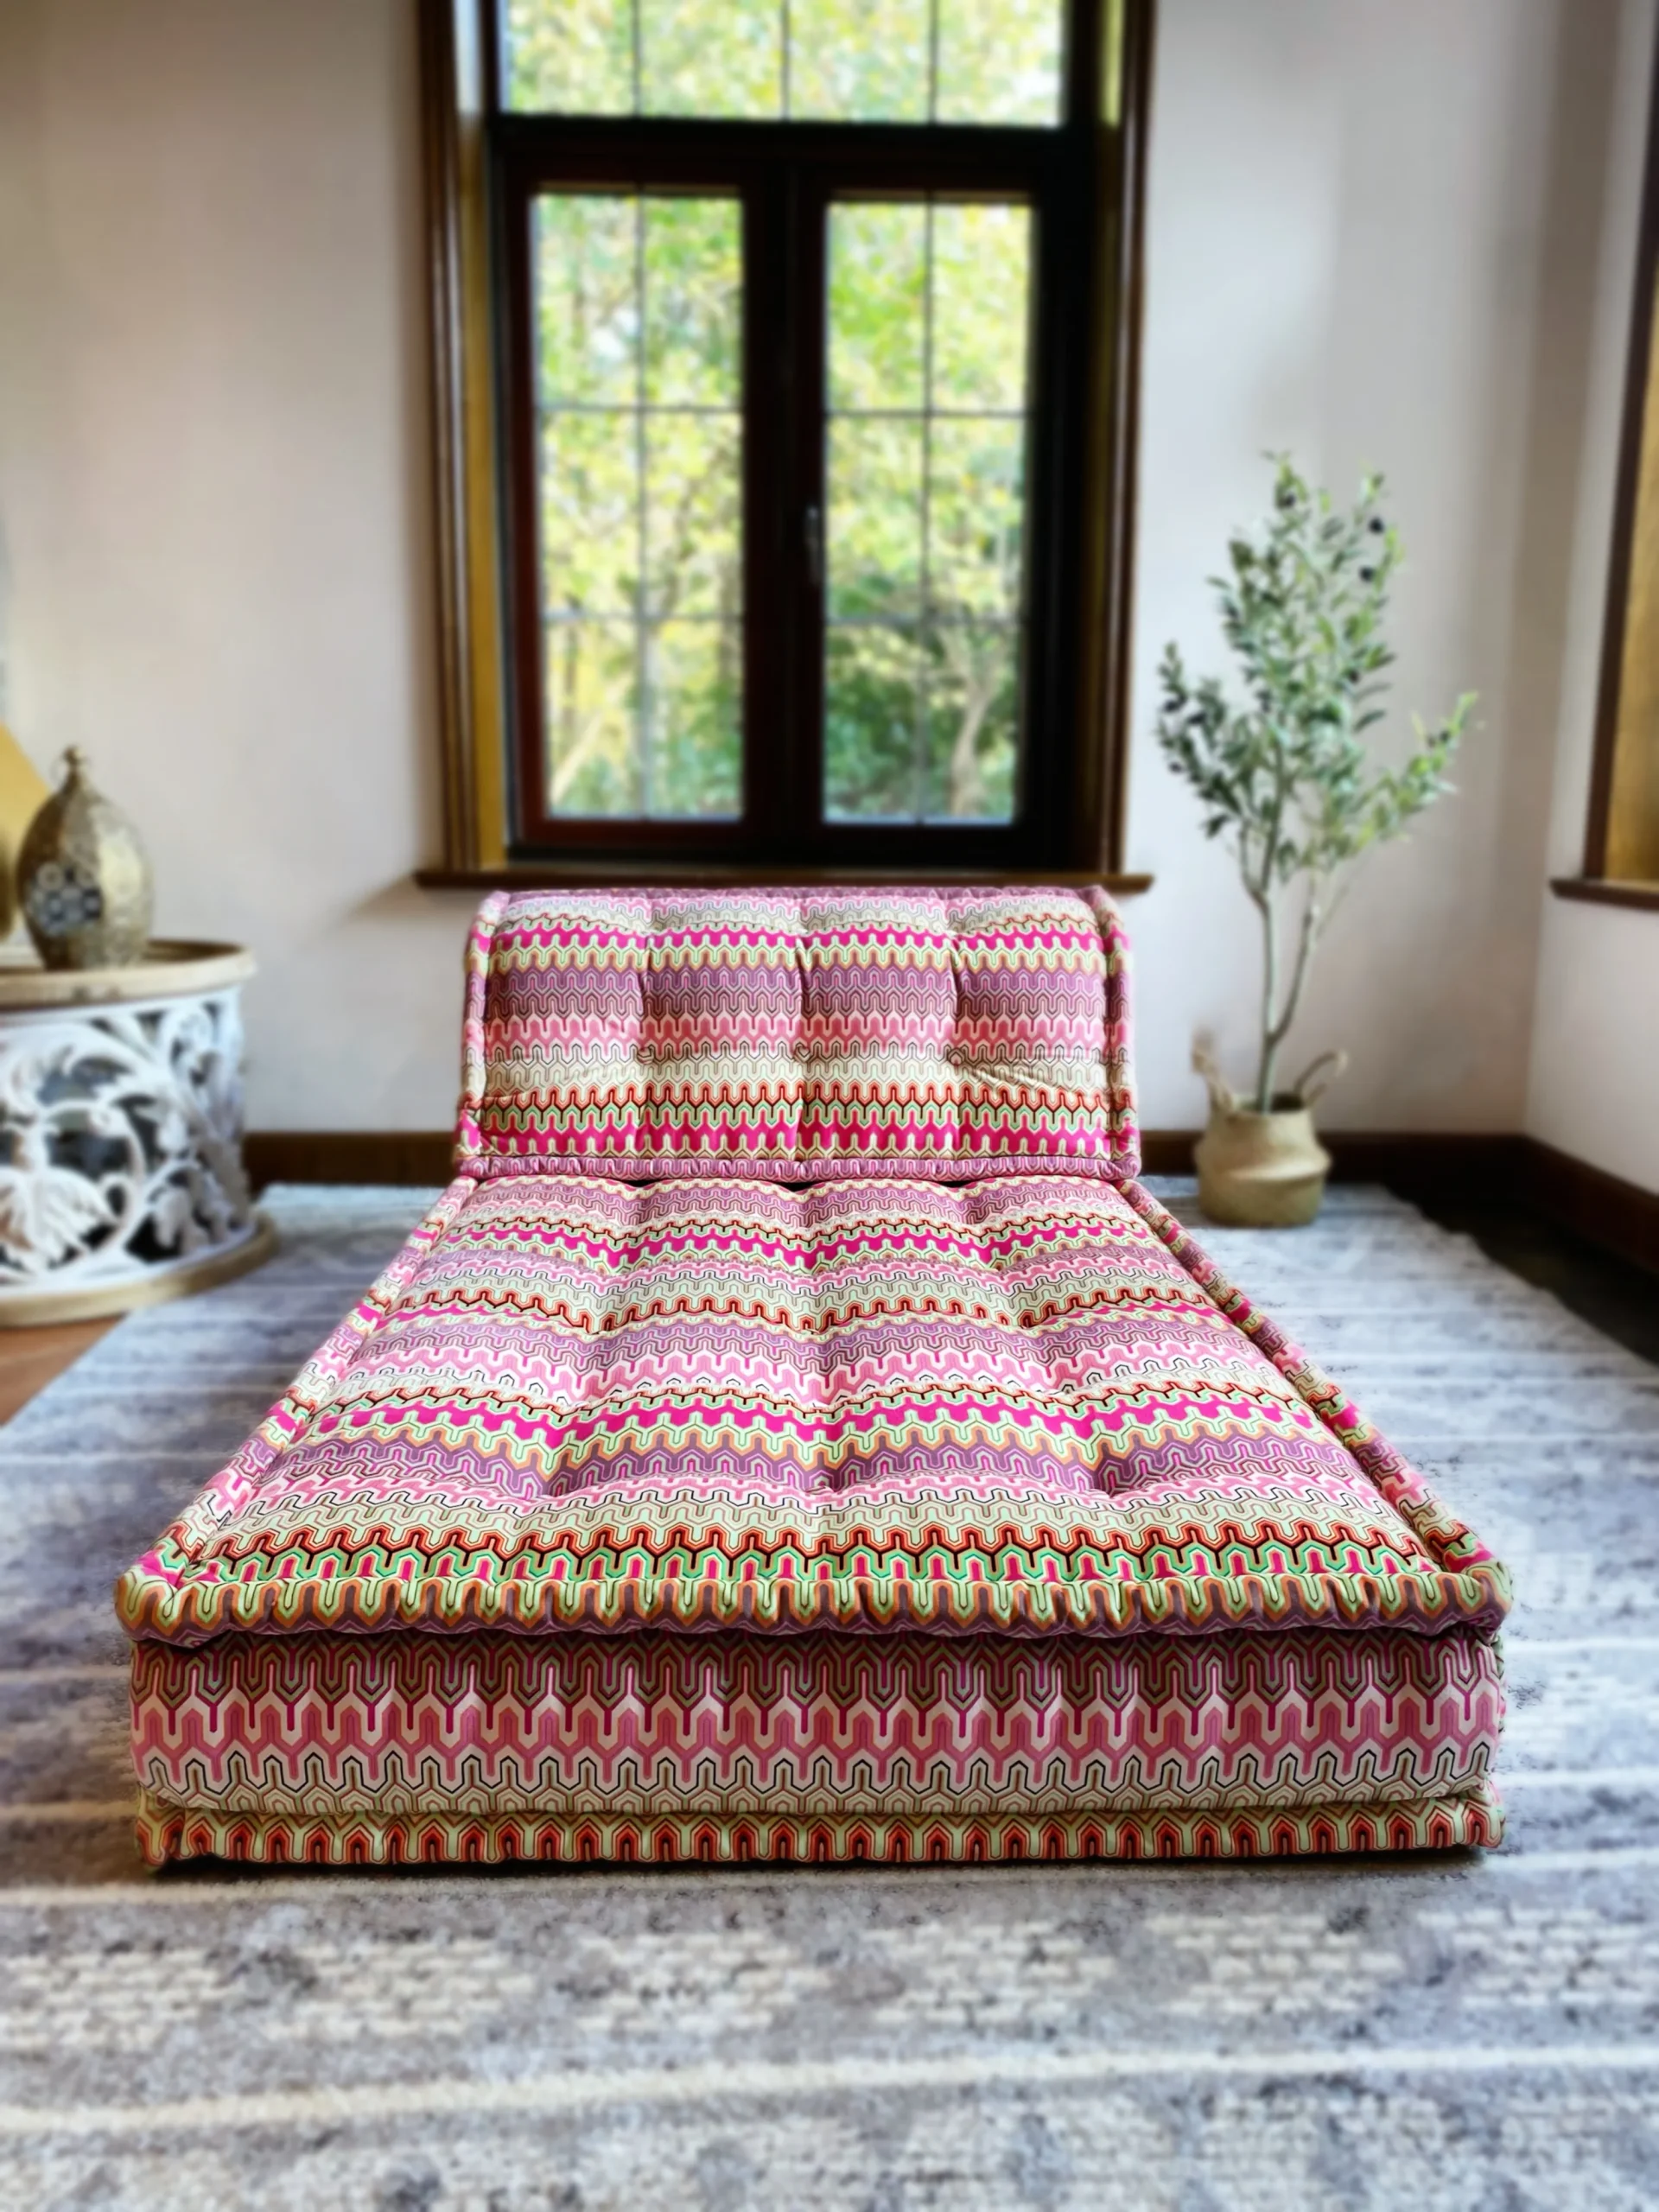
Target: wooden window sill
[
  {"x": 1603, "y": 890},
  {"x": 604, "y": 875}
]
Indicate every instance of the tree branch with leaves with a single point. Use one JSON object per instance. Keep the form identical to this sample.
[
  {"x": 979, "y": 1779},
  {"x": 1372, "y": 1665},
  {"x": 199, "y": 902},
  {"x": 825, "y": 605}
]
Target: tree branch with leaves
[{"x": 1287, "y": 778}]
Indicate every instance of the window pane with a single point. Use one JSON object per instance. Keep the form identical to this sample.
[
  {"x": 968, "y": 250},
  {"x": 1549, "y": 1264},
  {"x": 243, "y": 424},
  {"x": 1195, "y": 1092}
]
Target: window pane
[
  {"x": 981, "y": 265},
  {"x": 973, "y": 731},
  {"x": 590, "y": 539},
  {"x": 692, "y": 675},
  {"x": 637, "y": 320},
  {"x": 593, "y": 762},
  {"x": 999, "y": 61},
  {"x": 587, "y": 300},
  {"x": 926, "y": 464},
  {"x": 976, "y": 511},
  {"x": 835, "y": 60},
  {"x": 859, "y": 60},
  {"x": 875, "y": 733},
  {"x": 878, "y": 276},
  {"x": 876, "y": 516},
  {"x": 693, "y": 314},
  {"x": 711, "y": 57},
  {"x": 691, "y": 516},
  {"x": 568, "y": 57},
  {"x": 1632, "y": 841}
]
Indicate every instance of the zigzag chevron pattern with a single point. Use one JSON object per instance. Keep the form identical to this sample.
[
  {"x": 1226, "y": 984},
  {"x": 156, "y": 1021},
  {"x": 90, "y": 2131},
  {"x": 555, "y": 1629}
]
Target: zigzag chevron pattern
[
  {"x": 795, "y": 1434},
  {"x": 972, "y": 1835},
  {"x": 853, "y": 1032},
  {"x": 1005, "y": 1407},
  {"x": 662, "y": 1724}
]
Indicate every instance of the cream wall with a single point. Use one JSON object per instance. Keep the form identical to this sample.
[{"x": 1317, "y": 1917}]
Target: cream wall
[
  {"x": 213, "y": 502},
  {"x": 1351, "y": 212},
  {"x": 1594, "y": 1087},
  {"x": 1370, "y": 229}
]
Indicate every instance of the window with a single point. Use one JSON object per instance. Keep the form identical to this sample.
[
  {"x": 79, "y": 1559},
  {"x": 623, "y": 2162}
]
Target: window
[
  {"x": 785, "y": 407},
  {"x": 634, "y": 496},
  {"x": 1621, "y": 861}
]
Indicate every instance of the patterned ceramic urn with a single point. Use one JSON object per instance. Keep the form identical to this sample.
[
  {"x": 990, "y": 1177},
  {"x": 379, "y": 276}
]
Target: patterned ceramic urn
[{"x": 83, "y": 878}]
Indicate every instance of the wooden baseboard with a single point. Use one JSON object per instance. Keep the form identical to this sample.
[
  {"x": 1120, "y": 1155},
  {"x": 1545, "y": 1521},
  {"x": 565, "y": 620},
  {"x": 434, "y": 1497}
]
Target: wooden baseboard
[
  {"x": 1605, "y": 1208},
  {"x": 423, "y": 1156},
  {"x": 1480, "y": 1166},
  {"x": 1418, "y": 1163},
  {"x": 1483, "y": 1168}
]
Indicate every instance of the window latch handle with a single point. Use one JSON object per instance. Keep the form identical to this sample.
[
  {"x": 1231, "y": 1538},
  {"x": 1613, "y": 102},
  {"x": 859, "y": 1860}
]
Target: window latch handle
[{"x": 814, "y": 519}]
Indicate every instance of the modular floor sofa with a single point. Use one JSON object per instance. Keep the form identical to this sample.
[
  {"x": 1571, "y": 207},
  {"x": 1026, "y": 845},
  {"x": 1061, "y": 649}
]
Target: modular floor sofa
[{"x": 795, "y": 1434}]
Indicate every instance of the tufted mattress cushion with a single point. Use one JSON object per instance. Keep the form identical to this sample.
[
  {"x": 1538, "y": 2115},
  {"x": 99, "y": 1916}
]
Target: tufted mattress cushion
[
  {"x": 798, "y": 1033},
  {"x": 1027, "y": 1405}
]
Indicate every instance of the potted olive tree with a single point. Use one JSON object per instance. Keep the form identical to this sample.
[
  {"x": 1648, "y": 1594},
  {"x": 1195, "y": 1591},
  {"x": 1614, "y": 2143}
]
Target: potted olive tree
[{"x": 1287, "y": 779}]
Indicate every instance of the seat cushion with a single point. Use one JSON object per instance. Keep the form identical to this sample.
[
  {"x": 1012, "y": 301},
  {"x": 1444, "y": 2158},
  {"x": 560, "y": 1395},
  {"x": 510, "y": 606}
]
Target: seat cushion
[
  {"x": 929, "y": 1033},
  {"x": 1024, "y": 1406}
]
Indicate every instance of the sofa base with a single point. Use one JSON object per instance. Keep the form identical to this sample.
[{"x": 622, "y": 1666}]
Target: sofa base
[
  {"x": 972, "y": 1835},
  {"x": 661, "y": 1748}
]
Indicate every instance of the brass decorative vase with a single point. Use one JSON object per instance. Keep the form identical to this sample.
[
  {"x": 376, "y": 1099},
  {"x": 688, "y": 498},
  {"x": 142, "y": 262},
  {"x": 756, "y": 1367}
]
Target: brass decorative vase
[{"x": 83, "y": 878}]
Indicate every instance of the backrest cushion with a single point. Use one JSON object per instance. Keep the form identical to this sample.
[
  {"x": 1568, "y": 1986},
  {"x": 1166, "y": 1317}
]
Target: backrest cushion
[{"x": 789, "y": 1034}]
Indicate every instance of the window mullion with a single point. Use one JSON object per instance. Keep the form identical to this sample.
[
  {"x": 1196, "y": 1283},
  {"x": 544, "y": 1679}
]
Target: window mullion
[
  {"x": 644, "y": 719},
  {"x": 924, "y": 592},
  {"x": 766, "y": 473},
  {"x": 808, "y": 531}
]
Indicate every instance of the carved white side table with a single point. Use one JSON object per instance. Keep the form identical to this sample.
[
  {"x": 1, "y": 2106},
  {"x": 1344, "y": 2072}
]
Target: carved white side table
[{"x": 121, "y": 1176}]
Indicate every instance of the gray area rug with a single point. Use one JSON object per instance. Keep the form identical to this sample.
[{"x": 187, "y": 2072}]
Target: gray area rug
[{"x": 1468, "y": 2031}]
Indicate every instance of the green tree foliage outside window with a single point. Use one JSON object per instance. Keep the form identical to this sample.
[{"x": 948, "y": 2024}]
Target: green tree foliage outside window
[
  {"x": 638, "y": 330},
  {"x": 639, "y": 322},
  {"x": 828, "y": 60},
  {"x": 927, "y": 456}
]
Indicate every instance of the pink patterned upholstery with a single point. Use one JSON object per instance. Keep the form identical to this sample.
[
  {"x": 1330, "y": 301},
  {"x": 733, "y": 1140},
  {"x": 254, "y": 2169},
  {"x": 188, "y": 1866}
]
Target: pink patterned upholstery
[
  {"x": 967, "y": 1453},
  {"x": 797, "y": 1033},
  {"x": 751, "y": 1746},
  {"x": 1000, "y": 1406}
]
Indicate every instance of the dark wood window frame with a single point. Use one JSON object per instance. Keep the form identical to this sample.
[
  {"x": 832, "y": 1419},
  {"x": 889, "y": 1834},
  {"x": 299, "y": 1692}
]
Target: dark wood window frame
[
  {"x": 1640, "y": 424},
  {"x": 1084, "y": 181}
]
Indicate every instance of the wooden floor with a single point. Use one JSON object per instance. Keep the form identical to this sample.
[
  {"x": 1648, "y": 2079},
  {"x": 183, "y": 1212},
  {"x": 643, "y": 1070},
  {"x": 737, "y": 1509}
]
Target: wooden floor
[
  {"x": 1613, "y": 1295},
  {"x": 30, "y": 1358}
]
